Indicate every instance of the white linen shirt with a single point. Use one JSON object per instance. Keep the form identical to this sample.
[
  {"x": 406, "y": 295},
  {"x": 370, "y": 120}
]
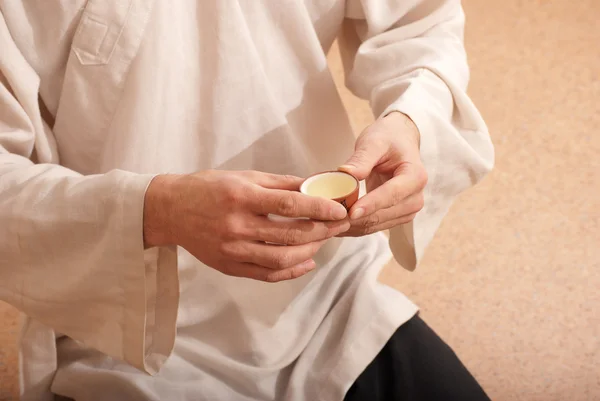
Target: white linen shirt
[{"x": 97, "y": 97}]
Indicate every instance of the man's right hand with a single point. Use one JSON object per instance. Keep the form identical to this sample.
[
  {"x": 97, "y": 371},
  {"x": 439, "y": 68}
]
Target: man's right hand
[{"x": 220, "y": 217}]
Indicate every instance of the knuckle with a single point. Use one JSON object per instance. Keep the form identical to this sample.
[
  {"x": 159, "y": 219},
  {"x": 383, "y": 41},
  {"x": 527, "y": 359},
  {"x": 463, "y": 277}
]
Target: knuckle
[
  {"x": 272, "y": 277},
  {"x": 370, "y": 230},
  {"x": 232, "y": 194},
  {"x": 317, "y": 208},
  {"x": 370, "y": 221},
  {"x": 228, "y": 249},
  {"x": 374, "y": 219},
  {"x": 367, "y": 231},
  {"x": 233, "y": 227},
  {"x": 281, "y": 260},
  {"x": 291, "y": 236},
  {"x": 288, "y": 205}
]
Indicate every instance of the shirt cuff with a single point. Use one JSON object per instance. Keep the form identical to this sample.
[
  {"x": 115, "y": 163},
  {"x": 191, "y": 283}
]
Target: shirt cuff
[
  {"x": 425, "y": 100},
  {"x": 151, "y": 294}
]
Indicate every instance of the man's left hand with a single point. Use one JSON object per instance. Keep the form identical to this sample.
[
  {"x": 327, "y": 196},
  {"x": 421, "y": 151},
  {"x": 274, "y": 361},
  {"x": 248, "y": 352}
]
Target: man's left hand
[{"x": 387, "y": 156}]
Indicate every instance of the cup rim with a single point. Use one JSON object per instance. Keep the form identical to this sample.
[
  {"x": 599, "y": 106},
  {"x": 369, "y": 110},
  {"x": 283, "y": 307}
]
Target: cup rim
[{"x": 312, "y": 177}]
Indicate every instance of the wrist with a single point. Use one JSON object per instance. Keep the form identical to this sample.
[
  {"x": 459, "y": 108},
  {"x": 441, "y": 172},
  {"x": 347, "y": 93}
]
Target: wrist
[
  {"x": 158, "y": 210},
  {"x": 408, "y": 125}
]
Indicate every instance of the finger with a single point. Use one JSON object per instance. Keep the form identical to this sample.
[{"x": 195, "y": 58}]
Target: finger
[
  {"x": 393, "y": 192},
  {"x": 294, "y": 232},
  {"x": 412, "y": 204},
  {"x": 409, "y": 206},
  {"x": 252, "y": 271},
  {"x": 296, "y": 204},
  {"x": 276, "y": 181},
  {"x": 270, "y": 255},
  {"x": 366, "y": 156},
  {"x": 292, "y": 272},
  {"x": 359, "y": 231}
]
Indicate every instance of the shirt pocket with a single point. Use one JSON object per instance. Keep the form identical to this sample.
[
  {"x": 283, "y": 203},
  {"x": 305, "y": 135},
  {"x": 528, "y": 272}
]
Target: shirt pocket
[
  {"x": 105, "y": 43},
  {"x": 94, "y": 40}
]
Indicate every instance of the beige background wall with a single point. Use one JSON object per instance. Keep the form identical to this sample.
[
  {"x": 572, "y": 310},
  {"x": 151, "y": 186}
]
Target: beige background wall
[{"x": 512, "y": 280}]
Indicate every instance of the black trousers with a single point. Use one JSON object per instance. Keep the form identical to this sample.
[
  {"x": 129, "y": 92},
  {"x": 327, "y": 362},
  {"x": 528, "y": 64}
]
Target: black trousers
[{"x": 416, "y": 365}]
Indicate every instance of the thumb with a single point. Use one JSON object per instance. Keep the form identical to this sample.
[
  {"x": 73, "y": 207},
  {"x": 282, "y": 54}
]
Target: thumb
[{"x": 364, "y": 159}]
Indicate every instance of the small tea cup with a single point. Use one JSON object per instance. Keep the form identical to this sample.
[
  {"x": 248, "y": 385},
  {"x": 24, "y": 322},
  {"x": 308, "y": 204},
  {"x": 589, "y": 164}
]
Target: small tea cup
[{"x": 338, "y": 186}]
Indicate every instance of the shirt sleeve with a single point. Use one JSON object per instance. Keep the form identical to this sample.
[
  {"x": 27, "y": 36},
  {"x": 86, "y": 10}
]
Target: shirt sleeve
[
  {"x": 71, "y": 246},
  {"x": 409, "y": 56}
]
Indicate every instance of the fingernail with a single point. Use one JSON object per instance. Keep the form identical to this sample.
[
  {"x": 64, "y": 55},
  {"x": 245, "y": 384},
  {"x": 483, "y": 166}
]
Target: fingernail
[
  {"x": 346, "y": 167},
  {"x": 339, "y": 212},
  {"x": 357, "y": 214}
]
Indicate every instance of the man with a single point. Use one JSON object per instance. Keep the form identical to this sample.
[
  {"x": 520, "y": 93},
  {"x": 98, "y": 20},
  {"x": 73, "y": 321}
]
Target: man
[{"x": 146, "y": 148}]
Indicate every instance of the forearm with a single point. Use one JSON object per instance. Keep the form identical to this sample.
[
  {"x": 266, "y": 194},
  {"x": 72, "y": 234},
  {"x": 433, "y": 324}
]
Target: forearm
[
  {"x": 409, "y": 57},
  {"x": 56, "y": 223},
  {"x": 72, "y": 257},
  {"x": 160, "y": 203}
]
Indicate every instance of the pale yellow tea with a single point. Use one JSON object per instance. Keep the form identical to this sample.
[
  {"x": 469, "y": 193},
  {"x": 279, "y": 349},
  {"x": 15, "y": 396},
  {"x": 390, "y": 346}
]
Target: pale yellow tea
[{"x": 330, "y": 185}]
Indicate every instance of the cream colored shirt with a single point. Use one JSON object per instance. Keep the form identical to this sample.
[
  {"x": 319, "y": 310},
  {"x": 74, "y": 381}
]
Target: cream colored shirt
[{"x": 99, "y": 96}]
